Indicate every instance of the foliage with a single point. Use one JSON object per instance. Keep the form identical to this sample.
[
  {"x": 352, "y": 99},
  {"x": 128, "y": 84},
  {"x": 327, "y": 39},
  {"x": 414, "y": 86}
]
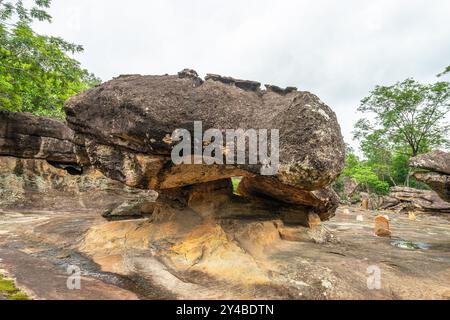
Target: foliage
[
  {"x": 408, "y": 117},
  {"x": 236, "y": 181},
  {"x": 402, "y": 121},
  {"x": 363, "y": 173},
  {"x": 447, "y": 70},
  {"x": 9, "y": 291},
  {"x": 36, "y": 73}
]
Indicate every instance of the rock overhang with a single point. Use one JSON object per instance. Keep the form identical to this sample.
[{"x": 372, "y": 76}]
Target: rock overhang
[
  {"x": 127, "y": 125},
  {"x": 138, "y": 113}
]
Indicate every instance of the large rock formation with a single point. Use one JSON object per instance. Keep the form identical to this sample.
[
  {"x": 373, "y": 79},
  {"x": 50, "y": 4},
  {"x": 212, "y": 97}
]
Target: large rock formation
[
  {"x": 126, "y": 125},
  {"x": 410, "y": 199},
  {"x": 34, "y": 184},
  {"x": 42, "y": 167},
  {"x": 26, "y": 136},
  {"x": 435, "y": 171},
  {"x": 438, "y": 177}
]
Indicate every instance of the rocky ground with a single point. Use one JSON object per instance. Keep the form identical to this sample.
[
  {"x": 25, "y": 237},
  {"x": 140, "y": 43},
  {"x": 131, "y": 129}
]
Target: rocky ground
[
  {"x": 98, "y": 209},
  {"x": 36, "y": 248}
]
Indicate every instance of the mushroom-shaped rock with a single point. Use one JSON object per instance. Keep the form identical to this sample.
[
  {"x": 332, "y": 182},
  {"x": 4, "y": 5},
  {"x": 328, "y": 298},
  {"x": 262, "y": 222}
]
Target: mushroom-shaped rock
[{"x": 128, "y": 125}]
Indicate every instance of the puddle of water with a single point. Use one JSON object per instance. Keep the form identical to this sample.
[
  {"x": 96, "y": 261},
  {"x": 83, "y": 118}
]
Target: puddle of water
[{"x": 409, "y": 245}]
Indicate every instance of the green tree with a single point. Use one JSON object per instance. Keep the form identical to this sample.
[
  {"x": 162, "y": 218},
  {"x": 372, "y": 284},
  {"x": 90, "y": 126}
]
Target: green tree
[
  {"x": 36, "y": 73},
  {"x": 407, "y": 114},
  {"x": 402, "y": 121},
  {"x": 363, "y": 173}
]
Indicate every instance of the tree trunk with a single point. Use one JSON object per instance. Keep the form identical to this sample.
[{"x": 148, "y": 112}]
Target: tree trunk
[{"x": 407, "y": 177}]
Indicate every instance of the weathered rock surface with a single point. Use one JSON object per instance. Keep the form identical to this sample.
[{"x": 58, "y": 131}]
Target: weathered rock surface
[
  {"x": 126, "y": 125},
  {"x": 33, "y": 184},
  {"x": 410, "y": 199},
  {"x": 26, "y": 136},
  {"x": 44, "y": 166},
  {"x": 292, "y": 203},
  {"x": 370, "y": 201},
  {"x": 437, "y": 161},
  {"x": 438, "y": 179},
  {"x": 177, "y": 258},
  {"x": 139, "y": 207}
]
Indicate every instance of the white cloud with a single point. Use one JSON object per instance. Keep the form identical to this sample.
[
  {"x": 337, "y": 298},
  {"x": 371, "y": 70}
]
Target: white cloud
[{"x": 338, "y": 50}]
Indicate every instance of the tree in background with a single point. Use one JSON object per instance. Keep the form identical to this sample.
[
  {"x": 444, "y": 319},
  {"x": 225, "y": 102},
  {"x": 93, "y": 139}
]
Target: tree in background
[
  {"x": 404, "y": 120},
  {"x": 407, "y": 114},
  {"x": 363, "y": 173},
  {"x": 36, "y": 73}
]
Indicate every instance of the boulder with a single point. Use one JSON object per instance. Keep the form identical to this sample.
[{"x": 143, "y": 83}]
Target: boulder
[
  {"x": 137, "y": 115},
  {"x": 440, "y": 183},
  {"x": 370, "y": 201},
  {"x": 438, "y": 163},
  {"x": 23, "y": 135},
  {"x": 410, "y": 199},
  {"x": 127, "y": 124}
]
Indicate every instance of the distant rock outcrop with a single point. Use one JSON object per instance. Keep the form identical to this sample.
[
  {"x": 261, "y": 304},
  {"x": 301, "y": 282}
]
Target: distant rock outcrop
[
  {"x": 410, "y": 199},
  {"x": 438, "y": 177}
]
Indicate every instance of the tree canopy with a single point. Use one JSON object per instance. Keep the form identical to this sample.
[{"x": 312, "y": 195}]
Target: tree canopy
[
  {"x": 36, "y": 72},
  {"x": 401, "y": 121},
  {"x": 408, "y": 116}
]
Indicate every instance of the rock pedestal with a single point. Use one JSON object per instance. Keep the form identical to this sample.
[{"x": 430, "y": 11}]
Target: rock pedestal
[{"x": 126, "y": 125}]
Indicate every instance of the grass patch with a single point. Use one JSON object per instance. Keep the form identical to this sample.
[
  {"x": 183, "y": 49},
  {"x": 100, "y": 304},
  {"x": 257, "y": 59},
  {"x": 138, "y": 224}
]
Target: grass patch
[
  {"x": 6, "y": 285},
  {"x": 19, "y": 295},
  {"x": 9, "y": 291}
]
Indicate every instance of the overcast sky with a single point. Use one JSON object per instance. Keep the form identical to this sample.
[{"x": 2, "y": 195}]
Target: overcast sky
[{"x": 337, "y": 49}]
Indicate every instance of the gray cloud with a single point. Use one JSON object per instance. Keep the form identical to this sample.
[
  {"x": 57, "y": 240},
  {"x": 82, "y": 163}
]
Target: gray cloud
[{"x": 338, "y": 50}]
